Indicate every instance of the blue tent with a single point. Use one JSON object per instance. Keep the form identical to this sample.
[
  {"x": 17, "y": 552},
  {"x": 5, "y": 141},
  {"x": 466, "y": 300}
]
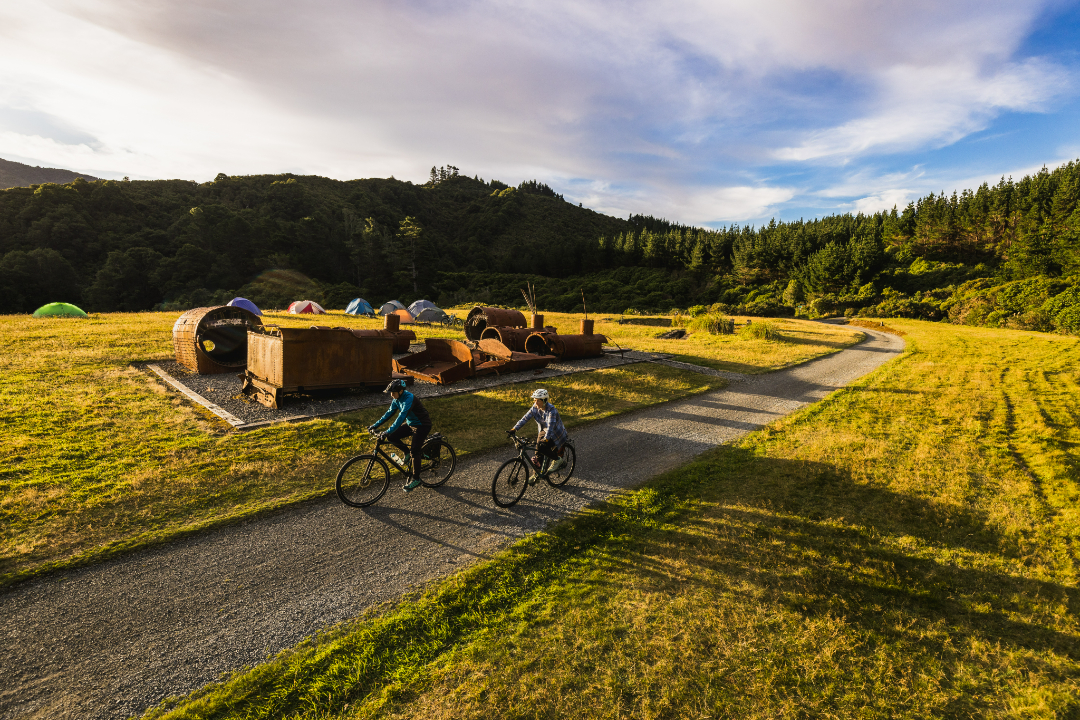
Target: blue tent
[
  {"x": 246, "y": 304},
  {"x": 360, "y": 306},
  {"x": 419, "y": 305}
]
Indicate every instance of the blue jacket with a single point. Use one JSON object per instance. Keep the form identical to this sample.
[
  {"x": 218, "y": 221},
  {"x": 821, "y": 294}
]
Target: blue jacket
[{"x": 409, "y": 410}]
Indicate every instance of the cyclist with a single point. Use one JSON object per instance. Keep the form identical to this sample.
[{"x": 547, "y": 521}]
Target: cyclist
[
  {"x": 552, "y": 438},
  {"x": 412, "y": 419}
]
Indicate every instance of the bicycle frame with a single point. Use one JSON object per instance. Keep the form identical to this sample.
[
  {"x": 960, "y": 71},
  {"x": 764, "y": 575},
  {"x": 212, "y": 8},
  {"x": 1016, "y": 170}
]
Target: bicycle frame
[{"x": 380, "y": 439}]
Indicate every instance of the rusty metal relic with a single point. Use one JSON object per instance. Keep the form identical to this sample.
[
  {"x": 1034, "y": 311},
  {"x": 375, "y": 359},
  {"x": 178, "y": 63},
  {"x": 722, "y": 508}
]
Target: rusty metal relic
[
  {"x": 285, "y": 360},
  {"x": 483, "y": 317},
  {"x": 211, "y": 340},
  {"x": 505, "y": 360},
  {"x": 443, "y": 362},
  {"x": 567, "y": 347}
]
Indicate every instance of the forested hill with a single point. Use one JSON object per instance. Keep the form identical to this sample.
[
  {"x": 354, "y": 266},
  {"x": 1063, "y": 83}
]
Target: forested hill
[
  {"x": 134, "y": 245},
  {"x": 15, "y": 174},
  {"x": 1002, "y": 255}
]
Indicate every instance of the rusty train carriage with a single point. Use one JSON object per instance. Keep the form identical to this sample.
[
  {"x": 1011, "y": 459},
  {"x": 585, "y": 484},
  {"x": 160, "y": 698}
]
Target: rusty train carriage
[{"x": 285, "y": 360}]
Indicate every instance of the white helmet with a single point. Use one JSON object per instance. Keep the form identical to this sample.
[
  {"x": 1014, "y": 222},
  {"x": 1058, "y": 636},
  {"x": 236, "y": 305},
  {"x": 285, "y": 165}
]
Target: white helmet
[{"x": 540, "y": 394}]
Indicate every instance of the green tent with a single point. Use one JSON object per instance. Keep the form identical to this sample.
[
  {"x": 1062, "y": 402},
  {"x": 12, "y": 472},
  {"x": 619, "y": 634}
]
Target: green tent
[{"x": 59, "y": 310}]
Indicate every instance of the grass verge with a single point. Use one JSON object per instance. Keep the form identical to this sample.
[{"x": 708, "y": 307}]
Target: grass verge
[
  {"x": 905, "y": 548},
  {"x": 98, "y": 458}
]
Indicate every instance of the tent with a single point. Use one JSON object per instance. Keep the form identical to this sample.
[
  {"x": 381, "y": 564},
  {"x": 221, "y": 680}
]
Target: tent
[
  {"x": 246, "y": 304},
  {"x": 405, "y": 315},
  {"x": 391, "y": 306},
  {"x": 59, "y": 309},
  {"x": 419, "y": 305},
  {"x": 306, "y": 307},
  {"x": 360, "y": 306},
  {"x": 431, "y": 314}
]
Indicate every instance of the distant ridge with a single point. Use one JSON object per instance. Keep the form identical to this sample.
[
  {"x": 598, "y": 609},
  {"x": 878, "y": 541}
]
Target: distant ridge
[{"x": 15, "y": 174}]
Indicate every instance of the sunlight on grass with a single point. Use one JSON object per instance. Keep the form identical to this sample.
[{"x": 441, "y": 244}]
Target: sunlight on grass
[{"x": 905, "y": 548}]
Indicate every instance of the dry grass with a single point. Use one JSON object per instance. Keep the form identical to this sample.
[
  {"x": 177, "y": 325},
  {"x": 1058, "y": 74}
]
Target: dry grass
[
  {"x": 96, "y": 457},
  {"x": 905, "y": 548}
]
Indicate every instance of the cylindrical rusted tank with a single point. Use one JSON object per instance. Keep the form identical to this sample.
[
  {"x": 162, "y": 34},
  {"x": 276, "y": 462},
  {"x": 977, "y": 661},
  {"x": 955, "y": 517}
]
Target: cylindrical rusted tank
[
  {"x": 213, "y": 339},
  {"x": 586, "y": 326},
  {"x": 513, "y": 338},
  {"x": 401, "y": 338},
  {"x": 392, "y": 322},
  {"x": 565, "y": 347},
  {"x": 537, "y": 321},
  {"x": 484, "y": 317}
]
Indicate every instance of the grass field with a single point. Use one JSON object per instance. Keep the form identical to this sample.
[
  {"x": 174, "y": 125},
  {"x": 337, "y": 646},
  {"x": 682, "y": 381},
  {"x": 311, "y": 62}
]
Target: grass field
[
  {"x": 97, "y": 457},
  {"x": 905, "y": 548}
]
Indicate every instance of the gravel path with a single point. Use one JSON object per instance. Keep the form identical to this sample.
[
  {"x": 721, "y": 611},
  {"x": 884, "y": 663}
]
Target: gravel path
[{"x": 111, "y": 640}]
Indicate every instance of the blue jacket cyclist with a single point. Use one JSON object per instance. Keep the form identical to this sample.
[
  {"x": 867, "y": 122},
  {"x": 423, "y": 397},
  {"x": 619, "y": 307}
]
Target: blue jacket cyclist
[
  {"x": 412, "y": 419},
  {"x": 552, "y": 439}
]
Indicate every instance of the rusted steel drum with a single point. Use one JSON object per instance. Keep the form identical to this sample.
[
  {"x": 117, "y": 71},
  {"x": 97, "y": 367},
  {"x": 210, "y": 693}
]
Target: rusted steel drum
[
  {"x": 212, "y": 340},
  {"x": 513, "y": 338},
  {"x": 402, "y": 338},
  {"x": 565, "y": 347},
  {"x": 537, "y": 321},
  {"x": 586, "y": 326},
  {"x": 391, "y": 322},
  {"x": 484, "y": 317}
]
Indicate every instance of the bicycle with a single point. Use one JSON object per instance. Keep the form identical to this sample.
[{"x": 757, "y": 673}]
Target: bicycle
[
  {"x": 363, "y": 479},
  {"x": 510, "y": 481}
]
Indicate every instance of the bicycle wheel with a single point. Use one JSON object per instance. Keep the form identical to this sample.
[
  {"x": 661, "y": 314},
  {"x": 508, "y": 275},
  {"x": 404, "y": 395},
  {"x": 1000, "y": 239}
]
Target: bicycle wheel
[
  {"x": 362, "y": 480},
  {"x": 559, "y": 478},
  {"x": 509, "y": 483},
  {"x": 438, "y": 463}
]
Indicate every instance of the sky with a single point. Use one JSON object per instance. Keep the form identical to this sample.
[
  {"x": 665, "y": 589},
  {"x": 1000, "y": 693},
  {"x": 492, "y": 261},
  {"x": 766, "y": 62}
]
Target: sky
[{"x": 702, "y": 112}]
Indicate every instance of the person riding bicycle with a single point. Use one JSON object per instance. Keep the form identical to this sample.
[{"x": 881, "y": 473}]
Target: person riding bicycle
[
  {"x": 551, "y": 441},
  {"x": 412, "y": 419}
]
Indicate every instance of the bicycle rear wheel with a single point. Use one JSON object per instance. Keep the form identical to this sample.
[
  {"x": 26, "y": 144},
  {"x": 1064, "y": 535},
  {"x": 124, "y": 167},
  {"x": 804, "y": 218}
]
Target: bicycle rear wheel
[
  {"x": 559, "y": 478},
  {"x": 509, "y": 483},
  {"x": 362, "y": 480},
  {"x": 437, "y": 463}
]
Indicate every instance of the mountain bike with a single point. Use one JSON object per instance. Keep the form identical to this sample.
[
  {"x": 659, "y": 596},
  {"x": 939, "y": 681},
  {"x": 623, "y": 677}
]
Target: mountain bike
[
  {"x": 363, "y": 479},
  {"x": 516, "y": 474}
]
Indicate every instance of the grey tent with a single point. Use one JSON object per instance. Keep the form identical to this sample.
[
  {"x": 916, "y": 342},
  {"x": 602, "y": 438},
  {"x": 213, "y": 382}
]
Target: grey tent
[
  {"x": 431, "y": 314},
  {"x": 419, "y": 305},
  {"x": 391, "y": 306}
]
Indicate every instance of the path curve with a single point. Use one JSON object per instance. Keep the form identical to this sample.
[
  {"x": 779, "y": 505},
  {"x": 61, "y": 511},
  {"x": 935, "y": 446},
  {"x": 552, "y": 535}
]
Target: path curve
[{"x": 113, "y": 639}]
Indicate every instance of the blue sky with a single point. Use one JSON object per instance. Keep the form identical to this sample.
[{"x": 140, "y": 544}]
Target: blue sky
[{"x": 706, "y": 113}]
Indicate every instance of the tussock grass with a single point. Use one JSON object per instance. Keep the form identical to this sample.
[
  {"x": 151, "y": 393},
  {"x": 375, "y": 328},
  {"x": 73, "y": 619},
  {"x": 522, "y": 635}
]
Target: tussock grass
[
  {"x": 98, "y": 458},
  {"x": 905, "y": 548},
  {"x": 760, "y": 330}
]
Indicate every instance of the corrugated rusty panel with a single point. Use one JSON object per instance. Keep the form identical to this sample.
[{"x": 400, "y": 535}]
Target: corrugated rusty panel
[
  {"x": 442, "y": 362},
  {"x": 213, "y": 339},
  {"x": 484, "y": 317}
]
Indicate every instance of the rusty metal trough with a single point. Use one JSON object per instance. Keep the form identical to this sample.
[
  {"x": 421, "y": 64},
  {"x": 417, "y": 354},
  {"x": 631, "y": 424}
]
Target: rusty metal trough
[
  {"x": 212, "y": 340},
  {"x": 442, "y": 362},
  {"x": 284, "y": 360},
  {"x": 505, "y": 360}
]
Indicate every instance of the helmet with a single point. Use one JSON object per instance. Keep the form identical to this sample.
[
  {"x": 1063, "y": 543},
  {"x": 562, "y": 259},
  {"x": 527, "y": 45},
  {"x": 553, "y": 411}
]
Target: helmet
[
  {"x": 540, "y": 394},
  {"x": 395, "y": 386}
]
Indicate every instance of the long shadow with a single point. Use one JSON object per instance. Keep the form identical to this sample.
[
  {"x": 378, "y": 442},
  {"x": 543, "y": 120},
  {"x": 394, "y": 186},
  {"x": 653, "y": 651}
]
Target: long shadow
[{"x": 806, "y": 537}]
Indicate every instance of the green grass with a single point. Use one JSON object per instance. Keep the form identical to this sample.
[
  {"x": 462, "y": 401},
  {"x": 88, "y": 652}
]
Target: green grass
[
  {"x": 905, "y": 548},
  {"x": 97, "y": 457}
]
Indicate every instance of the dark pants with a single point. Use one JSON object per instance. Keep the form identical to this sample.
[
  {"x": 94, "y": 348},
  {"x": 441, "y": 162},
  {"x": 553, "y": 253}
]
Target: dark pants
[
  {"x": 547, "y": 449},
  {"x": 419, "y": 435}
]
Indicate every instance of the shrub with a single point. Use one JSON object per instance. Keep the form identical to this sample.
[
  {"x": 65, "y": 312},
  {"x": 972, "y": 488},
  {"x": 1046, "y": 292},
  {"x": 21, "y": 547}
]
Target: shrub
[{"x": 760, "y": 331}]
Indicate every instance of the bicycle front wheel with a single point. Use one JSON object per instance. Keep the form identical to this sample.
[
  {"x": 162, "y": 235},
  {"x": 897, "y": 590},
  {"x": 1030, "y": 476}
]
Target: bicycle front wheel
[
  {"x": 509, "y": 483},
  {"x": 560, "y": 476},
  {"x": 437, "y": 464},
  {"x": 362, "y": 480}
]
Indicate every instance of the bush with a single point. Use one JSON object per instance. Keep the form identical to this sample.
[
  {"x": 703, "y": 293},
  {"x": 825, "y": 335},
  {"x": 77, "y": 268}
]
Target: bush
[{"x": 760, "y": 331}]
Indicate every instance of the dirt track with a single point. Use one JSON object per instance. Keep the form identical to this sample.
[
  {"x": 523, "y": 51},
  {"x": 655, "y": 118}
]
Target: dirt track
[{"x": 112, "y": 640}]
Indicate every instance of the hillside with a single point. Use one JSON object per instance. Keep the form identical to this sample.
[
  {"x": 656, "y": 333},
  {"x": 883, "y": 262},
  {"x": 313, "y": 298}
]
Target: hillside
[{"x": 15, "y": 174}]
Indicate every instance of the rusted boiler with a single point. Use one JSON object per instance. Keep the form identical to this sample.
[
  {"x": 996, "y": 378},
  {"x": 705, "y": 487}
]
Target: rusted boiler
[
  {"x": 567, "y": 347},
  {"x": 284, "y": 360},
  {"x": 210, "y": 340},
  {"x": 480, "y": 318}
]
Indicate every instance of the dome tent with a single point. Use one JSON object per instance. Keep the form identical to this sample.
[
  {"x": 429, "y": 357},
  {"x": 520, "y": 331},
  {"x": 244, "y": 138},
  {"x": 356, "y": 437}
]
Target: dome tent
[
  {"x": 59, "y": 309},
  {"x": 360, "y": 306},
  {"x": 419, "y": 305},
  {"x": 431, "y": 314},
  {"x": 246, "y": 304},
  {"x": 391, "y": 306},
  {"x": 306, "y": 307}
]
